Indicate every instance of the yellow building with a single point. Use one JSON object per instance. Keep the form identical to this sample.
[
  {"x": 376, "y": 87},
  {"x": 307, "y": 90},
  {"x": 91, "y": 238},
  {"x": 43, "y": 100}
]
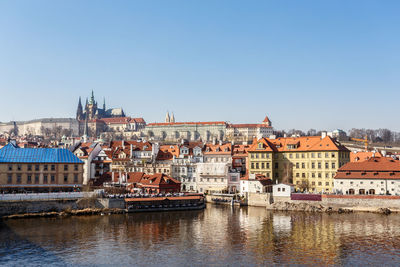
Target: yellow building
[
  {"x": 309, "y": 162},
  {"x": 39, "y": 169}
]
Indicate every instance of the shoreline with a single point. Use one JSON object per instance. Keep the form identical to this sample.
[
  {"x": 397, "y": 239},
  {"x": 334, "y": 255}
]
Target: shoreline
[
  {"x": 65, "y": 213},
  {"x": 306, "y": 207}
]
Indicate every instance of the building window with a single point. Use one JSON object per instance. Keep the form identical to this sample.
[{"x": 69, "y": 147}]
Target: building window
[
  {"x": 10, "y": 167},
  {"x": 326, "y": 165},
  {"x": 327, "y": 183},
  {"x": 45, "y": 179},
  {"x": 36, "y": 178},
  {"x": 333, "y": 165},
  {"x": 313, "y": 183},
  {"x": 75, "y": 178},
  {"x": 65, "y": 167},
  {"x": 312, "y": 165},
  {"x": 52, "y": 178},
  {"x": 326, "y": 155},
  {"x": 297, "y": 155},
  {"x": 297, "y": 164},
  {"x": 327, "y": 175},
  {"x": 319, "y": 165},
  {"x": 276, "y": 165},
  {"x": 29, "y": 167},
  {"x": 36, "y": 167},
  {"x": 312, "y": 155},
  {"x": 76, "y": 167},
  {"x": 262, "y": 165},
  {"x": 257, "y": 166},
  {"x": 18, "y": 178},
  {"x": 45, "y": 167},
  {"x": 303, "y": 175},
  {"x": 9, "y": 179},
  {"x": 252, "y": 165},
  {"x": 267, "y": 165},
  {"x": 297, "y": 174},
  {"x": 319, "y": 183},
  {"x": 319, "y": 155},
  {"x": 319, "y": 175},
  {"x": 53, "y": 167},
  {"x": 333, "y": 154},
  {"x": 303, "y": 165},
  {"x": 19, "y": 167},
  {"x": 65, "y": 178}
]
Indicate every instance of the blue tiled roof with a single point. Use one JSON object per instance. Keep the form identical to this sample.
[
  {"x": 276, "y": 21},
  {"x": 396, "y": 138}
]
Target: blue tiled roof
[{"x": 11, "y": 153}]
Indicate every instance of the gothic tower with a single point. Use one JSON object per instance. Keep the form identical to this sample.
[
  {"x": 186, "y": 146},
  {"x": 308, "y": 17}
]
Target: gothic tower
[{"x": 79, "y": 111}]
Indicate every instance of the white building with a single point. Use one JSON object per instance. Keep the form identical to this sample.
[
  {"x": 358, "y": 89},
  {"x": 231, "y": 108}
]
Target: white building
[
  {"x": 375, "y": 176},
  {"x": 282, "y": 190},
  {"x": 255, "y": 183}
]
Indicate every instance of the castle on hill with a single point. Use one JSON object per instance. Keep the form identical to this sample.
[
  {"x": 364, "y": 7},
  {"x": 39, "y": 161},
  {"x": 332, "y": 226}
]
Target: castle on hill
[{"x": 92, "y": 111}]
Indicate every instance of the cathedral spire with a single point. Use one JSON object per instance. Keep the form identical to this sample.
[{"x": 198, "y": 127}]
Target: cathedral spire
[
  {"x": 172, "y": 118},
  {"x": 104, "y": 104},
  {"x": 92, "y": 101},
  {"x": 79, "y": 111},
  {"x": 167, "y": 118}
]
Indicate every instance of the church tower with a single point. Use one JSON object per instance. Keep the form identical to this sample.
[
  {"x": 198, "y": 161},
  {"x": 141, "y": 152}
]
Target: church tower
[
  {"x": 167, "y": 118},
  {"x": 172, "y": 118},
  {"x": 79, "y": 111}
]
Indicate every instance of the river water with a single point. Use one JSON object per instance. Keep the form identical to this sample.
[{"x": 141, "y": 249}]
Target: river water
[{"x": 216, "y": 236}]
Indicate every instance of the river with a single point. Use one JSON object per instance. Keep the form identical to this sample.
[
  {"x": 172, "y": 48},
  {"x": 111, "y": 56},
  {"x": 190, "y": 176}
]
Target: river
[{"x": 216, "y": 236}]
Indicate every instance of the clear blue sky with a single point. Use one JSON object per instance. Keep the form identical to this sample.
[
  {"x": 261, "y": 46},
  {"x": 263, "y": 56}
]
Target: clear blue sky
[{"x": 305, "y": 64}]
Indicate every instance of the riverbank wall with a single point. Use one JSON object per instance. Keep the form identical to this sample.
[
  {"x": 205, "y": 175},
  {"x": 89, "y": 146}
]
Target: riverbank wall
[
  {"x": 349, "y": 203},
  {"x": 8, "y": 208}
]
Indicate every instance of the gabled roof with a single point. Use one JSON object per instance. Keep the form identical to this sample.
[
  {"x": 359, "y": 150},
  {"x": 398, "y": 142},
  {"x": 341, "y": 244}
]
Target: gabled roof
[
  {"x": 15, "y": 154},
  {"x": 167, "y": 152},
  {"x": 373, "y": 164},
  {"x": 224, "y": 149},
  {"x": 362, "y": 156},
  {"x": 304, "y": 143}
]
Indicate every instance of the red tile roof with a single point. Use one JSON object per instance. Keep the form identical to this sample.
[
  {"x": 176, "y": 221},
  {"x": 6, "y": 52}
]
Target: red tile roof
[
  {"x": 362, "y": 156},
  {"x": 304, "y": 143},
  {"x": 190, "y": 123},
  {"x": 373, "y": 168}
]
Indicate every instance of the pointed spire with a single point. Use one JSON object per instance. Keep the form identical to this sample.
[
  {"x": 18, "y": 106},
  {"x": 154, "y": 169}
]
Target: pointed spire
[
  {"x": 104, "y": 104},
  {"x": 92, "y": 101},
  {"x": 79, "y": 111},
  {"x": 172, "y": 117},
  {"x": 167, "y": 118}
]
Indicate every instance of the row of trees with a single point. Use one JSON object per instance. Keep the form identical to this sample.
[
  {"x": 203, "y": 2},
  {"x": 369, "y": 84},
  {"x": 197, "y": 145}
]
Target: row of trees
[
  {"x": 376, "y": 135},
  {"x": 382, "y": 135}
]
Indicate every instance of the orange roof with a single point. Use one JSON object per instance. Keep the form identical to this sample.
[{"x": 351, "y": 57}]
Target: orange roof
[
  {"x": 218, "y": 149},
  {"x": 267, "y": 120},
  {"x": 373, "y": 164},
  {"x": 248, "y": 125},
  {"x": 181, "y": 123},
  {"x": 362, "y": 156},
  {"x": 167, "y": 152},
  {"x": 304, "y": 143}
]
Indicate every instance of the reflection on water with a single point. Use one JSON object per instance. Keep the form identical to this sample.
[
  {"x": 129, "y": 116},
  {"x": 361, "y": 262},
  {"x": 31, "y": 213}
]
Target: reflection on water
[{"x": 218, "y": 235}]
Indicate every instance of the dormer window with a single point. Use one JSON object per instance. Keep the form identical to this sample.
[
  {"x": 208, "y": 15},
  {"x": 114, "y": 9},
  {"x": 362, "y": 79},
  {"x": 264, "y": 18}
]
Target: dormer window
[
  {"x": 226, "y": 149},
  {"x": 260, "y": 145}
]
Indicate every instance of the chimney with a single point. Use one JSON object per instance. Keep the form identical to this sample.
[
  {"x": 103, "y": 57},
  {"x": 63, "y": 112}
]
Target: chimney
[
  {"x": 220, "y": 142},
  {"x": 323, "y": 134}
]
